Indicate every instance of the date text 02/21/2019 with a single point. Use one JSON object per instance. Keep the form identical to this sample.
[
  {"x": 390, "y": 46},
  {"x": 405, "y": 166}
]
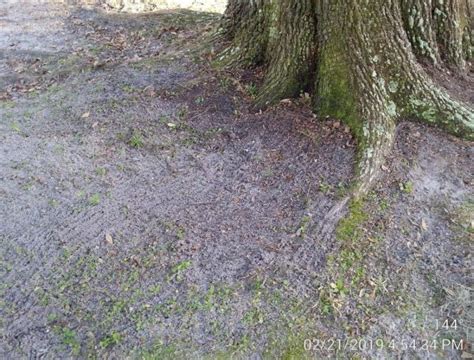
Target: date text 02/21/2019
[{"x": 381, "y": 344}]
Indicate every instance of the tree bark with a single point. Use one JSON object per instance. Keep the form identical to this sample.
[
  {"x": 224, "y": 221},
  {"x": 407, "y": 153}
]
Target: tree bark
[{"x": 361, "y": 61}]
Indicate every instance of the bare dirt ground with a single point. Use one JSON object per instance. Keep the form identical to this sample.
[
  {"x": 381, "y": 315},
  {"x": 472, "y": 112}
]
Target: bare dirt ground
[{"x": 145, "y": 212}]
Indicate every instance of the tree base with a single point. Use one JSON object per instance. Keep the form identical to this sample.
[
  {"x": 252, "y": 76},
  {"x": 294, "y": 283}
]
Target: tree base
[{"x": 360, "y": 62}]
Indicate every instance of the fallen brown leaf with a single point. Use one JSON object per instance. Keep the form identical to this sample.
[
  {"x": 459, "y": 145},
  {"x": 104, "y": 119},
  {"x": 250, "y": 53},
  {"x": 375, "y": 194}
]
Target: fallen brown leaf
[{"x": 108, "y": 239}]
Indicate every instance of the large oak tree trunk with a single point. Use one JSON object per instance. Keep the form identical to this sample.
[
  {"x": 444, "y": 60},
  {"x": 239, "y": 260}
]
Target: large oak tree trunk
[{"x": 360, "y": 59}]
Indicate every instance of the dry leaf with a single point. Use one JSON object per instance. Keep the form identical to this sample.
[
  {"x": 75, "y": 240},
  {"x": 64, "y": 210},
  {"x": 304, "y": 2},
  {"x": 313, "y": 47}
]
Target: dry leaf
[
  {"x": 424, "y": 226},
  {"x": 85, "y": 115},
  {"x": 98, "y": 64},
  {"x": 109, "y": 239}
]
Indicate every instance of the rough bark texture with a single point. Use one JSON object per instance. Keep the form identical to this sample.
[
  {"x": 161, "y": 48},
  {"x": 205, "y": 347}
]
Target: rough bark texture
[
  {"x": 246, "y": 23},
  {"x": 418, "y": 22},
  {"x": 362, "y": 60},
  {"x": 291, "y": 51}
]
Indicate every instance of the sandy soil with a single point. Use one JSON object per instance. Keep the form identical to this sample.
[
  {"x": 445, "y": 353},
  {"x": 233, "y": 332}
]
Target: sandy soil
[{"x": 146, "y": 212}]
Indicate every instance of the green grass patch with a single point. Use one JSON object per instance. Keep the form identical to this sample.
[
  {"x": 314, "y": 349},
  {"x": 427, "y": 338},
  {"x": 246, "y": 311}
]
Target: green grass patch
[
  {"x": 110, "y": 340},
  {"x": 350, "y": 228},
  {"x": 136, "y": 140},
  {"x": 94, "y": 200}
]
